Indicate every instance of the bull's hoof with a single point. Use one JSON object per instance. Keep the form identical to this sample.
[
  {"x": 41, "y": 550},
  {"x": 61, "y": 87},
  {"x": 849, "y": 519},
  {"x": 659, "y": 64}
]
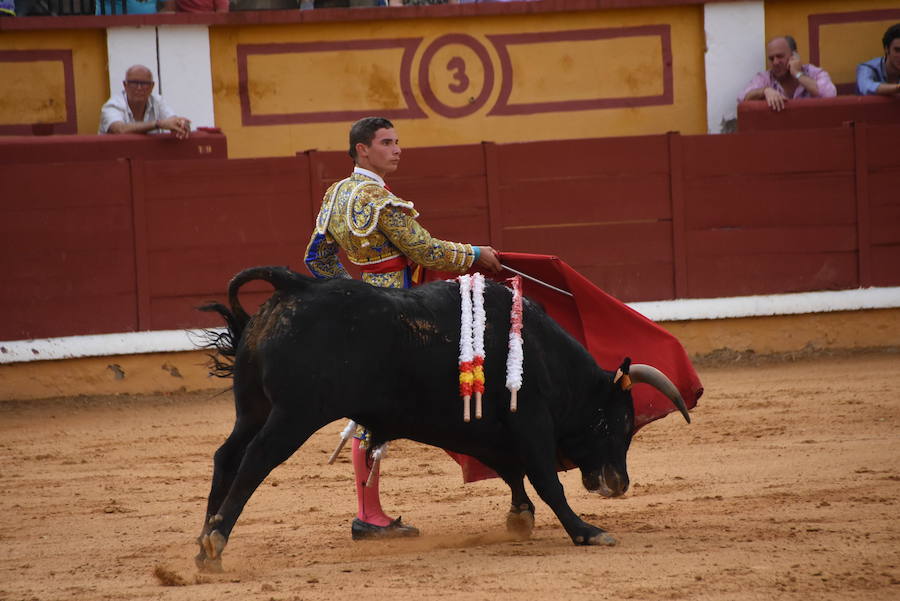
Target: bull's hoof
[
  {"x": 520, "y": 523},
  {"x": 604, "y": 539},
  {"x": 207, "y": 565},
  {"x": 213, "y": 544},
  {"x": 600, "y": 538}
]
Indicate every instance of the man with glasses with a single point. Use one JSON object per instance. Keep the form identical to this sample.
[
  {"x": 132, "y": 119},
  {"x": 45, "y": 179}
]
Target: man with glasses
[{"x": 137, "y": 110}]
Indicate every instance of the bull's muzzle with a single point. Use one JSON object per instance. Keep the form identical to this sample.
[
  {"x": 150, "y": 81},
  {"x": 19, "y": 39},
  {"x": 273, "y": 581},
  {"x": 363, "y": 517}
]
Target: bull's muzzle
[{"x": 607, "y": 481}]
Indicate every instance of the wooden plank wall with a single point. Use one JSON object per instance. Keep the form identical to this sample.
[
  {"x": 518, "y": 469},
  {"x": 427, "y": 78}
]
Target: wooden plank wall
[
  {"x": 133, "y": 244},
  {"x": 207, "y": 220},
  {"x": 769, "y": 213},
  {"x": 881, "y": 187},
  {"x": 66, "y": 250},
  {"x": 589, "y": 202}
]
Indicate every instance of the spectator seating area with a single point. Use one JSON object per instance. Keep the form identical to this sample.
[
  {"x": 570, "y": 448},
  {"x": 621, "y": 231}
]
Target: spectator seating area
[{"x": 132, "y": 7}]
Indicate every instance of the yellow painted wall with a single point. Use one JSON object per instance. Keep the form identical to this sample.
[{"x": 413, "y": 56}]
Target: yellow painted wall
[
  {"x": 292, "y": 83},
  {"x": 34, "y": 92},
  {"x": 344, "y": 80},
  {"x": 842, "y": 45}
]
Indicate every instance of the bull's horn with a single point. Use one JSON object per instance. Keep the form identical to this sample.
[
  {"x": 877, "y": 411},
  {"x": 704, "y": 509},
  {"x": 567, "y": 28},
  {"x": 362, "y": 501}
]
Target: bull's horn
[{"x": 652, "y": 376}]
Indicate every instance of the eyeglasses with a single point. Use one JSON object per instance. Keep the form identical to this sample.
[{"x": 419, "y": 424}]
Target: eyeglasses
[{"x": 139, "y": 83}]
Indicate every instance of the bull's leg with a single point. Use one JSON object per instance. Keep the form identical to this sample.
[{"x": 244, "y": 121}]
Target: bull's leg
[
  {"x": 538, "y": 450},
  {"x": 520, "y": 519},
  {"x": 252, "y": 408},
  {"x": 225, "y": 465},
  {"x": 282, "y": 434}
]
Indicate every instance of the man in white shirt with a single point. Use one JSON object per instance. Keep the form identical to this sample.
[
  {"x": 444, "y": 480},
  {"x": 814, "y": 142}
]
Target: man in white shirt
[{"x": 137, "y": 110}]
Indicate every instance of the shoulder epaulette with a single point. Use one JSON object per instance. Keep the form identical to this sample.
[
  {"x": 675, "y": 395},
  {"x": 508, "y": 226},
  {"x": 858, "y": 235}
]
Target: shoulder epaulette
[
  {"x": 327, "y": 206},
  {"x": 365, "y": 204}
]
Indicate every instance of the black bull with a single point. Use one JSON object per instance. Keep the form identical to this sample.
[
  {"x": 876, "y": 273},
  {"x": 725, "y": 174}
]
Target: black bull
[{"x": 320, "y": 350}]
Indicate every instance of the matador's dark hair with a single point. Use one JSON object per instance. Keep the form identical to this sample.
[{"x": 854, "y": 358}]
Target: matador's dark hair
[{"x": 363, "y": 131}]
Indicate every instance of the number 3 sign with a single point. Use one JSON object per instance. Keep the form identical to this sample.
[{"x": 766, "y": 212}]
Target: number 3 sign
[{"x": 448, "y": 75}]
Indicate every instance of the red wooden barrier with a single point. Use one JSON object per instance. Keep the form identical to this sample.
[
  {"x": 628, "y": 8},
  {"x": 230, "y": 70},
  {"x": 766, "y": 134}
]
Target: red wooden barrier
[
  {"x": 590, "y": 202},
  {"x": 806, "y": 113},
  {"x": 126, "y": 244},
  {"x": 881, "y": 167},
  {"x": 63, "y": 149},
  {"x": 770, "y": 212},
  {"x": 207, "y": 220},
  {"x": 66, "y": 251}
]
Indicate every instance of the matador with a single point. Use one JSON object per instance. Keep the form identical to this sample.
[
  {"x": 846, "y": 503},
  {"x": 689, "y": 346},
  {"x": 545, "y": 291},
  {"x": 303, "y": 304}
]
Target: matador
[{"x": 379, "y": 232}]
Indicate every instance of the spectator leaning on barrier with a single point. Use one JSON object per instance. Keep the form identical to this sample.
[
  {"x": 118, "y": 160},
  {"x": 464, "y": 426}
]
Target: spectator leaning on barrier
[
  {"x": 787, "y": 77},
  {"x": 137, "y": 110},
  {"x": 881, "y": 75},
  {"x": 7, "y": 8}
]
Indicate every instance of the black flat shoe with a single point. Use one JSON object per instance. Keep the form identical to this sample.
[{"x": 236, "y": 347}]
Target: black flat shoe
[{"x": 361, "y": 530}]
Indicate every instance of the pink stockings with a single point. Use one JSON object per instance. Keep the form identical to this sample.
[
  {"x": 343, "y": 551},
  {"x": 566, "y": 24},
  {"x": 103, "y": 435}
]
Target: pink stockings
[{"x": 367, "y": 498}]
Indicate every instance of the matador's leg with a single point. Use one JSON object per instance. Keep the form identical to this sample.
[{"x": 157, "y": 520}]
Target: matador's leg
[{"x": 371, "y": 520}]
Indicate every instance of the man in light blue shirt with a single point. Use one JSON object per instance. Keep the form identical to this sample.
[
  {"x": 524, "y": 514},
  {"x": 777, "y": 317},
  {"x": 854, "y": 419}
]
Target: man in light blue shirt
[{"x": 881, "y": 75}]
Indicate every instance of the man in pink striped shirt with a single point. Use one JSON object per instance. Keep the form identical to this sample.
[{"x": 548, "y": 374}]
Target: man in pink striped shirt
[{"x": 787, "y": 77}]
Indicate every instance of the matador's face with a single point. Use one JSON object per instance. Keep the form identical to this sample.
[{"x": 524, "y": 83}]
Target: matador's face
[{"x": 383, "y": 155}]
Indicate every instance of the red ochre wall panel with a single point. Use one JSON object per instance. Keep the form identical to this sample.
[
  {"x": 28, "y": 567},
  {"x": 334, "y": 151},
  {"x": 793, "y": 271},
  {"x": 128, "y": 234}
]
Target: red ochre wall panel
[
  {"x": 67, "y": 249},
  {"x": 770, "y": 213},
  {"x": 601, "y": 205},
  {"x": 884, "y": 203},
  {"x": 573, "y": 158},
  {"x": 207, "y": 220}
]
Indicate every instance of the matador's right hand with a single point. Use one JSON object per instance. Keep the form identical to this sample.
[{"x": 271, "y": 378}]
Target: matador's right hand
[{"x": 488, "y": 259}]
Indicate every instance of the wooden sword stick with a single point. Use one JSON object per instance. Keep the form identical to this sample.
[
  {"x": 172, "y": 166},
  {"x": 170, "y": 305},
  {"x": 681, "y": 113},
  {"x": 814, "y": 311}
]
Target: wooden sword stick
[
  {"x": 345, "y": 436},
  {"x": 537, "y": 281}
]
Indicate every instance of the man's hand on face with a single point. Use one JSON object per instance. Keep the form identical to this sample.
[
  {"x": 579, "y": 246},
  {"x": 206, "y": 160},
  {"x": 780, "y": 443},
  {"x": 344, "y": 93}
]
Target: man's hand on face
[
  {"x": 795, "y": 65},
  {"x": 488, "y": 259},
  {"x": 774, "y": 99}
]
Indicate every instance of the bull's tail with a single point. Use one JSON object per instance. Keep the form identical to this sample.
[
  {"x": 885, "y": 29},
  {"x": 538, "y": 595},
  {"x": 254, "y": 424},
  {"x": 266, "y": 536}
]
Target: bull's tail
[{"x": 225, "y": 343}]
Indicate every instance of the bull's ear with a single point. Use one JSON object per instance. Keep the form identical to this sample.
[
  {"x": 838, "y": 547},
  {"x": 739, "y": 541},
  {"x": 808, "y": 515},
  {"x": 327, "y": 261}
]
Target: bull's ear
[{"x": 622, "y": 377}]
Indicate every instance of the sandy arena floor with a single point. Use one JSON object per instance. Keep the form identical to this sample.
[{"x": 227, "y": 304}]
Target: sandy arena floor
[{"x": 786, "y": 486}]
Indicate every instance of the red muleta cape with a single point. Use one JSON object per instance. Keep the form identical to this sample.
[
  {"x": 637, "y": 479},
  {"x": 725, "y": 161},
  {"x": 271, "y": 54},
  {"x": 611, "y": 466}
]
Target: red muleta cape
[{"x": 610, "y": 331}]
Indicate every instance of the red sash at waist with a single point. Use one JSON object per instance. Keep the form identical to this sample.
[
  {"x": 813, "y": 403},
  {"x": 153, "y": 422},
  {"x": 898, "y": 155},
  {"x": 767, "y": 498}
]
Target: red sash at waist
[
  {"x": 395, "y": 264},
  {"x": 417, "y": 272}
]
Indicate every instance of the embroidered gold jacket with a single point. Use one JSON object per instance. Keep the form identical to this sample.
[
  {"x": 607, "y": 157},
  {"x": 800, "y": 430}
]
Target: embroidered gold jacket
[{"x": 374, "y": 226}]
